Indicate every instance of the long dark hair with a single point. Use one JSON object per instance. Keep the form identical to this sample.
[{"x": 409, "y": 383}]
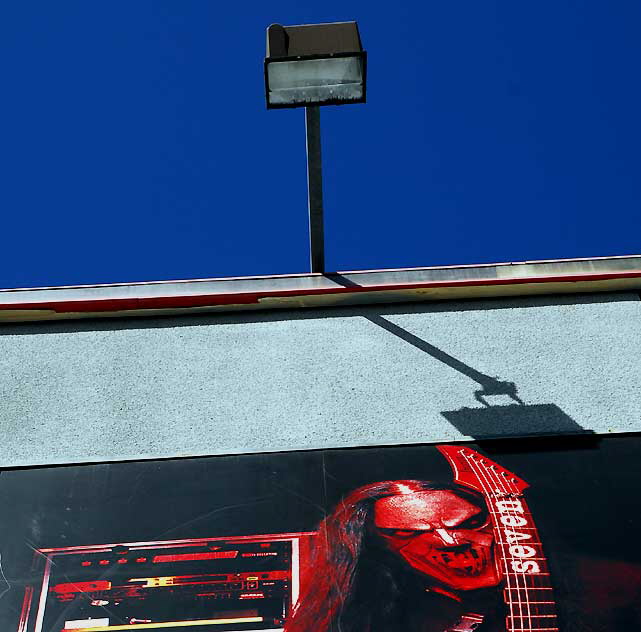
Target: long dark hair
[{"x": 352, "y": 580}]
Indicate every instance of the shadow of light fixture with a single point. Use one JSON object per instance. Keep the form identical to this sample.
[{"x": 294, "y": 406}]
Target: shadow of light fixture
[{"x": 491, "y": 421}]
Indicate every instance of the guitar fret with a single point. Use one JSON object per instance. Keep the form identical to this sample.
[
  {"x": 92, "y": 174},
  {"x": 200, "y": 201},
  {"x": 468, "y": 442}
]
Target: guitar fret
[
  {"x": 515, "y": 582},
  {"x": 510, "y": 512},
  {"x": 528, "y": 629},
  {"x": 509, "y": 569}
]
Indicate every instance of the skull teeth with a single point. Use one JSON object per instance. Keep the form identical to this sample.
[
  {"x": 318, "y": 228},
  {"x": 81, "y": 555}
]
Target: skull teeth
[{"x": 468, "y": 562}]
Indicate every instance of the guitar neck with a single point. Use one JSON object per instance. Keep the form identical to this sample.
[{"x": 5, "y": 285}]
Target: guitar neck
[
  {"x": 519, "y": 555},
  {"x": 528, "y": 590}
]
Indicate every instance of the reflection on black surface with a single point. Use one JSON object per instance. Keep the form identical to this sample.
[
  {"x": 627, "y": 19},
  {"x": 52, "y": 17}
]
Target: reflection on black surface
[{"x": 232, "y": 584}]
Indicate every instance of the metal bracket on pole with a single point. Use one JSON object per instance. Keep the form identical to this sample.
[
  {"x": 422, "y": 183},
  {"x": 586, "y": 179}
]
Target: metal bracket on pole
[{"x": 315, "y": 189}]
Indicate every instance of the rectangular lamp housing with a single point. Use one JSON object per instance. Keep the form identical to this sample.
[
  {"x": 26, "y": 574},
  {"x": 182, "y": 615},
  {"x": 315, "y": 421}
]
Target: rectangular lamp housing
[{"x": 318, "y": 64}]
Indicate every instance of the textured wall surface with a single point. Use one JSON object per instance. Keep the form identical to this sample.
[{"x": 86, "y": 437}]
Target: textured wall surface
[{"x": 127, "y": 389}]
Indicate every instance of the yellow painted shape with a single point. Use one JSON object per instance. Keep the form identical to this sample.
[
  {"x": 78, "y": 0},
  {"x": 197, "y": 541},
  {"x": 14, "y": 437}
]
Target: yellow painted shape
[{"x": 167, "y": 624}]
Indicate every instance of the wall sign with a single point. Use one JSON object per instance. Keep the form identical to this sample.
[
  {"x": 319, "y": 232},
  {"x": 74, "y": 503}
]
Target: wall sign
[{"x": 515, "y": 536}]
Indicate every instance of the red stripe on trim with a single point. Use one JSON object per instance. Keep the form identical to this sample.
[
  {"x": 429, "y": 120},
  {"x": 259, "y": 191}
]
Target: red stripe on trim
[{"x": 249, "y": 298}]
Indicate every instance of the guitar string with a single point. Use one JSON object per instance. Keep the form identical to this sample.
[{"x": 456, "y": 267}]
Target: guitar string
[
  {"x": 542, "y": 553},
  {"x": 486, "y": 483},
  {"x": 518, "y": 576},
  {"x": 516, "y": 491},
  {"x": 543, "y": 557},
  {"x": 488, "y": 492}
]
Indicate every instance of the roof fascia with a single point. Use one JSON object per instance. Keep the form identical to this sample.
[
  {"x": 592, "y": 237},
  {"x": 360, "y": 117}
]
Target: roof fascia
[{"x": 125, "y": 300}]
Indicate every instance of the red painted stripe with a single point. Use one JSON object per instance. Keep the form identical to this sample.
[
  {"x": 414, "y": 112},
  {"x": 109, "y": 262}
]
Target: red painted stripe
[
  {"x": 191, "y": 557},
  {"x": 249, "y": 298},
  {"x": 81, "y": 587}
]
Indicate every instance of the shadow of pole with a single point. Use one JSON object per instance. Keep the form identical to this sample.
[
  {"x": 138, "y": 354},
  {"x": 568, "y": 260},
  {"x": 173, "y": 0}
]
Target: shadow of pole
[
  {"x": 489, "y": 385},
  {"x": 488, "y": 422}
]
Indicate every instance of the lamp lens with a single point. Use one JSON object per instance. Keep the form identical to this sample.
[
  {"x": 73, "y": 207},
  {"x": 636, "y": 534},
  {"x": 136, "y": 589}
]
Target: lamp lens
[{"x": 315, "y": 80}]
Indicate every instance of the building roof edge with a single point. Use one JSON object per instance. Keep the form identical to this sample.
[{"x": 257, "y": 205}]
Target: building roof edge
[{"x": 317, "y": 290}]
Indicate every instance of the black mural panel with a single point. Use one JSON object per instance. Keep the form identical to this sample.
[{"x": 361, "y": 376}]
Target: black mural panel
[{"x": 521, "y": 535}]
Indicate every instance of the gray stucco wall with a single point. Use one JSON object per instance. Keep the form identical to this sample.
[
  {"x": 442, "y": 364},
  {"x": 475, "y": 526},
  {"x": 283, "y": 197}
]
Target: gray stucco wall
[{"x": 127, "y": 389}]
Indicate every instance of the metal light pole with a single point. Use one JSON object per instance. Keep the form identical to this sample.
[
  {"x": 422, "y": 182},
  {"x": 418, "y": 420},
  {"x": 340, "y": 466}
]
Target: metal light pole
[
  {"x": 309, "y": 66},
  {"x": 315, "y": 189}
]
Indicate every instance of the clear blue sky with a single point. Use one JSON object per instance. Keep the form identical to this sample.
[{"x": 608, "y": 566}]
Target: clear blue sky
[{"x": 135, "y": 144}]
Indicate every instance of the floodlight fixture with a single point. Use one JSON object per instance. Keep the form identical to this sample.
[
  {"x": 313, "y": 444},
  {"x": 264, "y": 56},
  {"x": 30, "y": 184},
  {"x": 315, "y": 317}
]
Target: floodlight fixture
[
  {"x": 314, "y": 64},
  {"x": 308, "y": 66}
]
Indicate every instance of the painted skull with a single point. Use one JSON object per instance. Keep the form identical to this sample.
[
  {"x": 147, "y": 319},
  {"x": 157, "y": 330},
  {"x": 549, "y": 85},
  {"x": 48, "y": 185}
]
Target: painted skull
[{"x": 440, "y": 534}]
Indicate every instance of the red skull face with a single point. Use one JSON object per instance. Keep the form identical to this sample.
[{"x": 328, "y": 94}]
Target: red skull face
[{"x": 441, "y": 535}]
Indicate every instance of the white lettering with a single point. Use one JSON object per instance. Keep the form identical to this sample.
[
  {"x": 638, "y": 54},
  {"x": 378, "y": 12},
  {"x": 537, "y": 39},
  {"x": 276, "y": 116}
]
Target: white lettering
[
  {"x": 525, "y": 566},
  {"x": 514, "y": 536},
  {"x": 518, "y": 550},
  {"x": 509, "y": 505},
  {"x": 508, "y": 511}
]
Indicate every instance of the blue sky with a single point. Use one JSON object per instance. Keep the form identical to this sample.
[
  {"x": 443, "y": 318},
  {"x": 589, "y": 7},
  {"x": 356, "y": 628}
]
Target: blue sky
[{"x": 135, "y": 143}]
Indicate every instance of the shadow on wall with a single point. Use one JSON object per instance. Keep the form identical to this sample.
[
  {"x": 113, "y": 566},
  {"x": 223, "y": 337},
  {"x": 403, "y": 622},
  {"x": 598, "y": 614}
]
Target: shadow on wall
[
  {"x": 513, "y": 420},
  {"x": 490, "y": 421}
]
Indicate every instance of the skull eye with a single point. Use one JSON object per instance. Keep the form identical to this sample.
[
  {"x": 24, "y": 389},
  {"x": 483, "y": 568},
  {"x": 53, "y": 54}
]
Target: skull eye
[
  {"x": 477, "y": 521},
  {"x": 400, "y": 533}
]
